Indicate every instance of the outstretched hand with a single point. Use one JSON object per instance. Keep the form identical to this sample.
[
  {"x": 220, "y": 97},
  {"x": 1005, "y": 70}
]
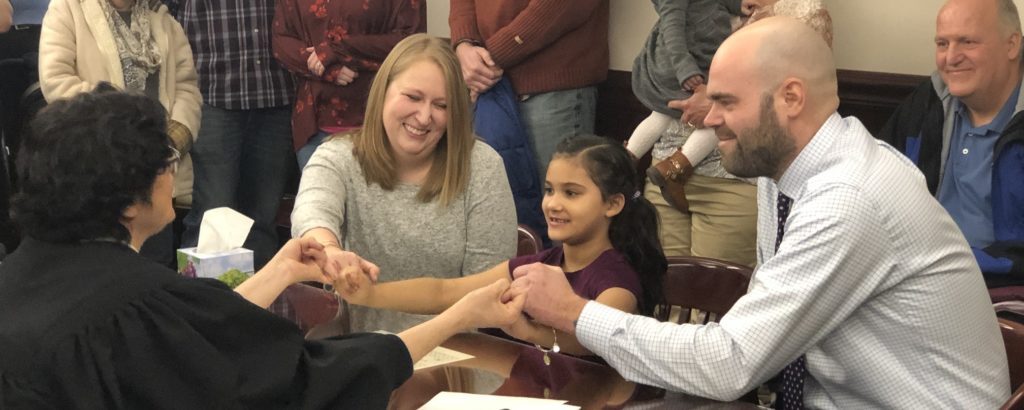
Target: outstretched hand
[
  {"x": 303, "y": 259},
  {"x": 485, "y": 307},
  {"x": 354, "y": 285},
  {"x": 339, "y": 260}
]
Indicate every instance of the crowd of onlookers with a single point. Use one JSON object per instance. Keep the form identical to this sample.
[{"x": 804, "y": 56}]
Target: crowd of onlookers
[
  {"x": 871, "y": 258},
  {"x": 238, "y": 81}
]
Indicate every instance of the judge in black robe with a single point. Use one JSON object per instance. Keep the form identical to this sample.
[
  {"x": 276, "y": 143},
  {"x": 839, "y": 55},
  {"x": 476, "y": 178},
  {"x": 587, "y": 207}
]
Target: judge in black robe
[{"x": 85, "y": 322}]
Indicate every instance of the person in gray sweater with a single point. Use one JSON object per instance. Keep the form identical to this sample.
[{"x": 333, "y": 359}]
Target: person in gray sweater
[{"x": 413, "y": 193}]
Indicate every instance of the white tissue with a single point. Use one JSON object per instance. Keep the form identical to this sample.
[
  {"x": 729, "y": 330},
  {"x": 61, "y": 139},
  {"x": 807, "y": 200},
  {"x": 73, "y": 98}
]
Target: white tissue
[{"x": 223, "y": 229}]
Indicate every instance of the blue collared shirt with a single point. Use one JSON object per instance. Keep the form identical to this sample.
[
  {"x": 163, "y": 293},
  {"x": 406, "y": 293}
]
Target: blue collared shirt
[
  {"x": 966, "y": 187},
  {"x": 29, "y": 11}
]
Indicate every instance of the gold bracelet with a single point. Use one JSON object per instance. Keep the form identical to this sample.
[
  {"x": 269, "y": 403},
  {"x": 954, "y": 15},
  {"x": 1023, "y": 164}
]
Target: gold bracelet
[{"x": 554, "y": 348}]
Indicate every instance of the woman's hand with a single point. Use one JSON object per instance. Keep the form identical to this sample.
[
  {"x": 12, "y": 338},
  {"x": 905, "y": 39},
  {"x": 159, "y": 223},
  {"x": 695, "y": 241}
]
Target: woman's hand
[
  {"x": 302, "y": 260},
  {"x": 338, "y": 260},
  {"x": 354, "y": 286},
  {"x": 299, "y": 260},
  {"x": 313, "y": 62},
  {"x": 484, "y": 307}
]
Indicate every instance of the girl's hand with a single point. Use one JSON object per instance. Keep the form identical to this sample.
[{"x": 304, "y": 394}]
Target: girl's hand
[{"x": 521, "y": 328}]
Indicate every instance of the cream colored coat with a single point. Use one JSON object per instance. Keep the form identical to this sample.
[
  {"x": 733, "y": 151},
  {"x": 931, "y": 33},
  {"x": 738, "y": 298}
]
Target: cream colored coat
[{"x": 77, "y": 51}]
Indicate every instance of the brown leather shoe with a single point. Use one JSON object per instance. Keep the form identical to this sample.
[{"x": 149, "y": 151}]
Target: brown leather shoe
[
  {"x": 675, "y": 195},
  {"x": 676, "y": 167},
  {"x": 670, "y": 175}
]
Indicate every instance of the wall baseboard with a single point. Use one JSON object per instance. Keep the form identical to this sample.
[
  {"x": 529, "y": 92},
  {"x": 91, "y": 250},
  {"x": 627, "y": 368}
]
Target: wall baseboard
[{"x": 869, "y": 96}]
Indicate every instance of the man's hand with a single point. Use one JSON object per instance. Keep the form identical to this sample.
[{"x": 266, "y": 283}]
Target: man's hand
[
  {"x": 478, "y": 68},
  {"x": 313, "y": 62},
  {"x": 550, "y": 299},
  {"x": 695, "y": 108}
]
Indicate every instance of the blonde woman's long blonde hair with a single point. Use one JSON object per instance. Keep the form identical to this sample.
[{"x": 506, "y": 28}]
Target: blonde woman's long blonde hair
[{"x": 449, "y": 172}]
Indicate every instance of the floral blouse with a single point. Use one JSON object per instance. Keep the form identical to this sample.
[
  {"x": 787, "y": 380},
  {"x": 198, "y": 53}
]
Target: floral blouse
[{"x": 357, "y": 34}]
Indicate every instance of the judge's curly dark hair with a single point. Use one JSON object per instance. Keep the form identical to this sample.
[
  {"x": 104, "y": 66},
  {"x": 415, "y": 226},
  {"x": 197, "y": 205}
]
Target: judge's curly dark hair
[{"x": 88, "y": 158}]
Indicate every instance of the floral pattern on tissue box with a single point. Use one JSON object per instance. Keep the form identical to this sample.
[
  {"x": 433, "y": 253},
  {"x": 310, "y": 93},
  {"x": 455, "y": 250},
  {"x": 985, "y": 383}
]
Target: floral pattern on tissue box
[{"x": 228, "y": 266}]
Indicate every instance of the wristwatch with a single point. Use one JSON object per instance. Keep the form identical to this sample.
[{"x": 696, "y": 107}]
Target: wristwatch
[{"x": 471, "y": 41}]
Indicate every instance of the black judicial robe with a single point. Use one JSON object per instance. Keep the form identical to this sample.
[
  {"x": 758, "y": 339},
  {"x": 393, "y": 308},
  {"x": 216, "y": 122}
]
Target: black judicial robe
[{"x": 96, "y": 326}]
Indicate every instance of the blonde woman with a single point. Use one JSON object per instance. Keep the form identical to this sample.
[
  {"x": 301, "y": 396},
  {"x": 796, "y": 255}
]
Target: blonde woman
[
  {"x": 413, "y": 191},
  {"x": 135, "y": 45}
]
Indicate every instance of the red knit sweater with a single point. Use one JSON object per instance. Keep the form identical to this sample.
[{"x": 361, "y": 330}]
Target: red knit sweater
[
  {"x": 354, "y": 33},
  {"x": 543, "y": 45}
]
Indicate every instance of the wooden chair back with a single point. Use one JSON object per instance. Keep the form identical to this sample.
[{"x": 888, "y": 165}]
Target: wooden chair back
[
  {"x": 701, "y": 290},
  {"x": 529, "y": 242}
]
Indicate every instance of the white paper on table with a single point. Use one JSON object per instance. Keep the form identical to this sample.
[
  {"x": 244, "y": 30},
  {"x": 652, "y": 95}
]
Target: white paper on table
[
  {"x": 440, "y": 356},
  {"x": 466, "y": 401}
]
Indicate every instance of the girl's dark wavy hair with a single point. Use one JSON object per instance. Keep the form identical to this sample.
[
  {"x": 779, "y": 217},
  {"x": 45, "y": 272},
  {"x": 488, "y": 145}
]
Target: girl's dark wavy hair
[
  {"x": 87, "y": 159},
  {"x": 634, "y": 231}
]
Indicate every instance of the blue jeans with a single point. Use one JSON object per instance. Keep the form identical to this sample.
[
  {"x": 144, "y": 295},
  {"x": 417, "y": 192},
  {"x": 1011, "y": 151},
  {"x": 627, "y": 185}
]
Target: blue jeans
[
  {"x": 552, "y": 116},
  {"x": 242, "y": 159},
  {"x": 306, "y": 152}
]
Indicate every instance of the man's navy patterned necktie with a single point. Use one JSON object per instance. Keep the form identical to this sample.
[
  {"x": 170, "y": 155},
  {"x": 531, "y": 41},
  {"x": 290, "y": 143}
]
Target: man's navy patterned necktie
[{"x": 791, "y": 392}]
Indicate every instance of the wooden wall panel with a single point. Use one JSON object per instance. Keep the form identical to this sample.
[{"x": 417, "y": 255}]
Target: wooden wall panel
[{"x": 869, "y": 96}]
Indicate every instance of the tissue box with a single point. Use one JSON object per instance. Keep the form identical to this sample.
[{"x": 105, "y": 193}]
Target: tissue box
[{"x": 220, "y": 265}]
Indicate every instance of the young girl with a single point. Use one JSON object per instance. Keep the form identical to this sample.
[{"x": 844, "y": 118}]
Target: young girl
[
  {"x": 673, "y": 65},
  {"x": 610, "y": 250}
]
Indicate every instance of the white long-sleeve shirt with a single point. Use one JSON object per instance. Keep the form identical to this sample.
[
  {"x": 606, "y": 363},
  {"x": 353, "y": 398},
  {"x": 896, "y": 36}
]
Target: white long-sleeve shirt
[{"x": 873, "y": 281}]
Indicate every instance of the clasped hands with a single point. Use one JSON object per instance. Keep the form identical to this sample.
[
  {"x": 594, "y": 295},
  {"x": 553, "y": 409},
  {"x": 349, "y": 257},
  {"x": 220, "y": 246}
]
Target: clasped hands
[
  {"x": 340, "y": 76},
  {"x": 478, "y": 68},
  {"x": 540, "y": 290}
]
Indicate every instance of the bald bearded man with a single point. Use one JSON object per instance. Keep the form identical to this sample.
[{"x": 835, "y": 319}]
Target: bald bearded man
[{"x": 866, "y": 294}]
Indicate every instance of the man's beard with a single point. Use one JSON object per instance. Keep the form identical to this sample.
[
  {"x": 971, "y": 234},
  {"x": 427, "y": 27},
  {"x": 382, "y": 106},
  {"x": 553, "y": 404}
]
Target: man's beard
[{"x": 766, "y": 146}]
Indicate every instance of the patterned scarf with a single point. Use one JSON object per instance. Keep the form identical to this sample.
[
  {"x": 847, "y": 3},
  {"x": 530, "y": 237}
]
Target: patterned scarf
[{"x": 135, "y": 44}]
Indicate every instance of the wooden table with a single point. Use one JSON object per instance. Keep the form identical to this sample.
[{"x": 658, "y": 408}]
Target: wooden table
[{"x": 507, "y": 368}]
